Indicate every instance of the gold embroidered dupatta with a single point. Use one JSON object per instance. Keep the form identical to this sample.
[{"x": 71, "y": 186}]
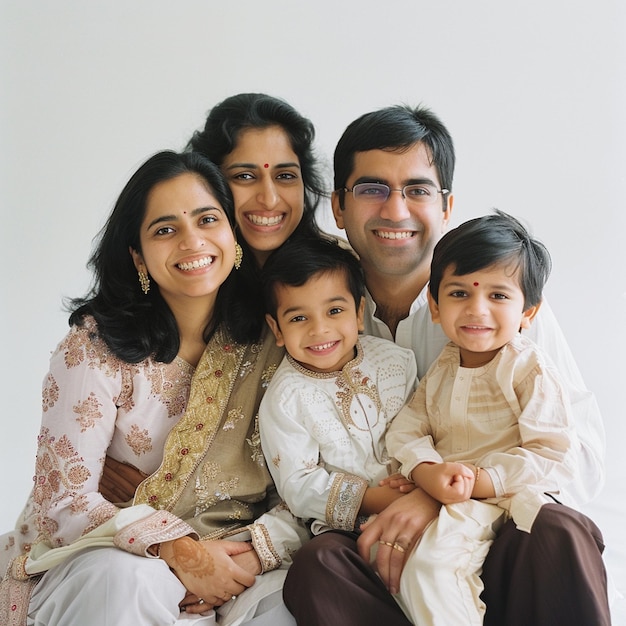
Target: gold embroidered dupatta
[{"x": 213, "y": 474}]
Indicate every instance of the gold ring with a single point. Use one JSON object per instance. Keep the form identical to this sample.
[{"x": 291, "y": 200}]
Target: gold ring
[
  {"x": 398, "y": 547},
  {"x": 385, "y": 543}
]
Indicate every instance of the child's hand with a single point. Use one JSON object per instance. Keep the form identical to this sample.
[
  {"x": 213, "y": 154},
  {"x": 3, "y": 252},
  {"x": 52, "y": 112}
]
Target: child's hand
[
  {"x": 399, "y": 482},
  {"x": 446, "y": 482}
]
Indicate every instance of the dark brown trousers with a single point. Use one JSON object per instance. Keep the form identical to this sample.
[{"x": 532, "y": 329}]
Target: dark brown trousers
[{"x": 553, "y": 576}]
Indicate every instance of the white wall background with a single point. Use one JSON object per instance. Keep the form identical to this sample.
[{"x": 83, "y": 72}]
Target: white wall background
[{"x": 534, "y": 94}]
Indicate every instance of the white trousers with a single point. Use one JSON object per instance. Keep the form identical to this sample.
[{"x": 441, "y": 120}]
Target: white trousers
[
  {"x": 110, "y": 587},
  {"x": 440, "y": 583}
]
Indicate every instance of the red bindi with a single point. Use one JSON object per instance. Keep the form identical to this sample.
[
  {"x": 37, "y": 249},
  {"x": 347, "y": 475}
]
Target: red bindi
[
  {"x": 475, "y": 284},
  {"x": 266, "y": 165}
]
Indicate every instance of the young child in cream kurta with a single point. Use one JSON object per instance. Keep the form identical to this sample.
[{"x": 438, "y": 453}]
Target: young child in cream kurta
[
  {"x": 326, "y": 411},
  {"x": 488, "y": 432}
]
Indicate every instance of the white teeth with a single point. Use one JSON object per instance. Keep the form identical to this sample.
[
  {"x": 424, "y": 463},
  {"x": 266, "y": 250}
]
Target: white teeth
[
  {"x": 323, "y": 346},
  {"x": 196, "y": 264},
  {"x": 259, "y": 220},
  {"x": 386, "y": 234}
]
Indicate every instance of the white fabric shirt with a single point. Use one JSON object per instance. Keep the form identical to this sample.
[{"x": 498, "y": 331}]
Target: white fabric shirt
[
  {"x": 427, "y": 339},
  {"x": 323, "y": 434},
  {"x": 511, "y": 417}
]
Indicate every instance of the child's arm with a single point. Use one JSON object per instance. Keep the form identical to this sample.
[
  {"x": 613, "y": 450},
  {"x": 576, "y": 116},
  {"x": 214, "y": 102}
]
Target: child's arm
[
  {"x": 288, "y": 418},
  {"x": 375, "y": 499},
  {"x": 544, "y": 460}
]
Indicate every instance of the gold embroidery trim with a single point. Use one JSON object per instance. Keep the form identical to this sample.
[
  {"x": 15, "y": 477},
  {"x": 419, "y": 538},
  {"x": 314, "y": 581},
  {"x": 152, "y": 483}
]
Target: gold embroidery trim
[
  {"x": 344, "y": 501},
  {"x": 189, "y": 439},
  {"x": 262, "y": 543}
]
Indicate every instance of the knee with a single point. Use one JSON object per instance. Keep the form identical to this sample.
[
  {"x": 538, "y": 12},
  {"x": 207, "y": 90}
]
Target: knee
[
  {"x": 557, "y": 526},
  {"x": 321, "y": 552}
]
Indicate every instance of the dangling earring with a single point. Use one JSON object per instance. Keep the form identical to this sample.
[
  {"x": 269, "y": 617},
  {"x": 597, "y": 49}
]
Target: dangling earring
[
  {"x": 144, "y": 281},
  {"x": 238, "y": 255}
]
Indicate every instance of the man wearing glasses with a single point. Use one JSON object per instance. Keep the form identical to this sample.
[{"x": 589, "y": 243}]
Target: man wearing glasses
[{"x": 393, "y": 182}]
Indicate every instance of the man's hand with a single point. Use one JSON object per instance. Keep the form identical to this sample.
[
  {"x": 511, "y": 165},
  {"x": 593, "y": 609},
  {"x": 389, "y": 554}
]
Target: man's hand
[{"x": 395, "y": 532}]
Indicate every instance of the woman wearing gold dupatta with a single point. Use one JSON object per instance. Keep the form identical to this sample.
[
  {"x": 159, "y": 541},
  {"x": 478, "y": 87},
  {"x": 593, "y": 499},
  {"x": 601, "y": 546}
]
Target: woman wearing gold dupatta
[{"x": 155, "y": 373}]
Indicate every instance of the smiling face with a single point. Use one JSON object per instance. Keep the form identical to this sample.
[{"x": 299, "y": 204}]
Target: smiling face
[
  {"x": 481, "y": 312},
  {"x": 318, "y": 321},
  {"x": 394, "y": 239},
  {"x": 187, "y": 244},
  {"x": 264, "y": 175}
]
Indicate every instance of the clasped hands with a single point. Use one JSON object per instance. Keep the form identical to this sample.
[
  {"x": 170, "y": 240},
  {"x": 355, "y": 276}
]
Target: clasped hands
[{"x": 212, "y": 571}]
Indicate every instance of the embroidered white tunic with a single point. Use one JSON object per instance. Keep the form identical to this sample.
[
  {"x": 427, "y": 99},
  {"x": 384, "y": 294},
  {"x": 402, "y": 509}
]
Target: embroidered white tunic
[{"x": 324, "y": 433}]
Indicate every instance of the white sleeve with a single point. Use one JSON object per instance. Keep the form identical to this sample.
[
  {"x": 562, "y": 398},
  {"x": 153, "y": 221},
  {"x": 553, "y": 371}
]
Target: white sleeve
[
  {"x": 409, "y": 438},
  {"x": 293, "y": 457},
  {"x": 590, "y": 449},
  {"x": 544, "y": 460}
]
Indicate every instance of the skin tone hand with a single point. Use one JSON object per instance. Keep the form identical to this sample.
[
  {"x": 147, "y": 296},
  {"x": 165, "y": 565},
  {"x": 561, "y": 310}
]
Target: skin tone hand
[
  {"x": 401, "y": 523},
  {"x": 249, "y": 561},
  {"x": 446, "y": 482},
  {"x": 376, "y": 499},
  {"x": 208, "y": 570},
  {"x": 399, "y": 482},
  {"x": 119, "y": 481}
]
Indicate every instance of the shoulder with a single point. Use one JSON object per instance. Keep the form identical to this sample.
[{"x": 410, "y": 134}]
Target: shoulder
[
  {"x": 83, "y": 347},
  {"x": 385, "y": 349},
  {"x": 525, "y": 357}
]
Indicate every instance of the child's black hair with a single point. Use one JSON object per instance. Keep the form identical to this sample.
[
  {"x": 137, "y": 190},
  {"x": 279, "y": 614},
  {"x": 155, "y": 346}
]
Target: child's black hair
[
  {"x": 493, "y": 240},
  {"x": 296, "y": 261}
]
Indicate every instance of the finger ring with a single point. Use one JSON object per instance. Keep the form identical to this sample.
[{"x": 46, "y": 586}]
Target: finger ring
[
  {"x": 200, "y": 601},
  {"x": 233, "y": 597},
  {"x": 386, "y": 543},
  {"x": 398, "y": 547}
]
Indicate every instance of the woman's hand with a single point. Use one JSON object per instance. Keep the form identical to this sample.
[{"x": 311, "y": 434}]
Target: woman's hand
[
  {"x": 395, "y": 531},
  {"x": 119, "y": 481},
  {"x": 207, "y": 570}
]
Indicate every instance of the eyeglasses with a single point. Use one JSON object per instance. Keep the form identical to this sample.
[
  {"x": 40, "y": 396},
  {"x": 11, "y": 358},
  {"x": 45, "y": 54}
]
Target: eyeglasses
[{"x": 377, "y": 193}]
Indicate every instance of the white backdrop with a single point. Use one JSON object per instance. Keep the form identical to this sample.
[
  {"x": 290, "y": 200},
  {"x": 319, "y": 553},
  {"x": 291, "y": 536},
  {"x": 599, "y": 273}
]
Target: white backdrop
[{"x": 534, "y": 95}]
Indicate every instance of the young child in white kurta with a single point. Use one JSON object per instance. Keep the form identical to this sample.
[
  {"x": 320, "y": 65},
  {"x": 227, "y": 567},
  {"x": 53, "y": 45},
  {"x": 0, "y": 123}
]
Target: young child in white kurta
[
  {"x": 326, "y": 411},
  {"x": 488, "y": 432}
]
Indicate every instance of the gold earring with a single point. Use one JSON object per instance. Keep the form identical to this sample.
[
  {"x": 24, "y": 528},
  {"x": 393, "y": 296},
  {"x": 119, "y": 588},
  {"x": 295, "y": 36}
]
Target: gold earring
[
  {"x": 238, "y": 255},
  {"x": 144, "y": 281}
]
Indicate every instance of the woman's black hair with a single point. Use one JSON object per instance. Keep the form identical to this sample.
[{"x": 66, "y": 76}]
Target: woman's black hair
[
  {"x": 218, "y": 139},
  {"x": 296, "y": 262},
  {"x": 135, "y": 325},
  {"x": 246, "y": 111},
  {"x": 493, "y": 240}
]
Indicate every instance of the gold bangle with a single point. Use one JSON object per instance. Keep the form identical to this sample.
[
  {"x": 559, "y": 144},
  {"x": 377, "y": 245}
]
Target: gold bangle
[{"x": 477, "y": 475}]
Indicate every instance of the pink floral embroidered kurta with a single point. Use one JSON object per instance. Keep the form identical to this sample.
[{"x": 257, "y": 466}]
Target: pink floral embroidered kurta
[
  {"x": 94, "y": 404},
  {"x": 194, "y": 433}
]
